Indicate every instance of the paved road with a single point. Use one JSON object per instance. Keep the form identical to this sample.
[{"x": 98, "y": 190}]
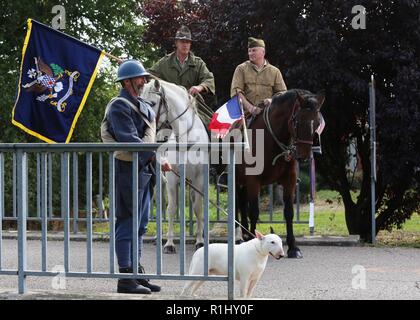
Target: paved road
[{"x": 324, "y": 273}]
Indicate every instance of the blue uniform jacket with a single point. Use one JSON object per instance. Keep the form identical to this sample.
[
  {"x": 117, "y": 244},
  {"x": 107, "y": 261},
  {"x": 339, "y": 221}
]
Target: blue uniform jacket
[{"x": 126, "y": 125}]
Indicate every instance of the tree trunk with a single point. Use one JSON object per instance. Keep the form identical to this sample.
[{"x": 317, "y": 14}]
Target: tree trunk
[
  {"x": 358, "y": 221},
  {"x": 357, "y": 214},
  {"x": 358, "y": 217}
]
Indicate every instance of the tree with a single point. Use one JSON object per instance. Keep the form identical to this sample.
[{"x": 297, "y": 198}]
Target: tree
[
  {"x": 110, "y": 25},
  {"x": 315, "y": 46}
]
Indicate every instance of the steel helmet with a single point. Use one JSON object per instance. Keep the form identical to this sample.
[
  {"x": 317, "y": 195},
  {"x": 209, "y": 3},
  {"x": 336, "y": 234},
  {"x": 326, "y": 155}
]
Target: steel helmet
[{"x": 130, "y": 69}]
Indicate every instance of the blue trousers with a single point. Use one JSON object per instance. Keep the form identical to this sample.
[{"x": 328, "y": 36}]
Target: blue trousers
[{"x": 124, "y": 225}]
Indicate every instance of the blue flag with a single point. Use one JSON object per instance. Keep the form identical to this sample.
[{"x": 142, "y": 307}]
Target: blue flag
[{"x": 56, "y": 75}]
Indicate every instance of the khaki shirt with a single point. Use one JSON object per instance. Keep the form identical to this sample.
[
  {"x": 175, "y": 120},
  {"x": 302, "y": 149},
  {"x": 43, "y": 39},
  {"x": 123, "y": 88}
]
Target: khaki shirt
[
  {"x": 257, "y": 85},
  {"x": 193, "y": 73}
]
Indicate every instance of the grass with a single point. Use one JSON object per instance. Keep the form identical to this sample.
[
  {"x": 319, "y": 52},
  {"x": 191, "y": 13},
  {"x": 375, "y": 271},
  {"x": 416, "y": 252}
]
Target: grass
[
  {"x": 407, "y": 236},
  {"x": 329, "y": 221}
]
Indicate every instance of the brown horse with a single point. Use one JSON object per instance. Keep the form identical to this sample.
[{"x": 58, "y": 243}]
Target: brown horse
[{"x": 289, "y": 123}]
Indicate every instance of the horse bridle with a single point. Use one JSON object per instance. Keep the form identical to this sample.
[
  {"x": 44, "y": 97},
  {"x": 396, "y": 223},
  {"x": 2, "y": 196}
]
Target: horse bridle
[
  {"x": 288, "y": 151},
  {"x": 293, "y": 124},
  {"x": 164, "y": 104}
]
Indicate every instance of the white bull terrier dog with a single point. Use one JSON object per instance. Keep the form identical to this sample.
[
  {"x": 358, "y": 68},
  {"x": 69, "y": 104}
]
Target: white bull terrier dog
[{"x": 250, "y": 261}]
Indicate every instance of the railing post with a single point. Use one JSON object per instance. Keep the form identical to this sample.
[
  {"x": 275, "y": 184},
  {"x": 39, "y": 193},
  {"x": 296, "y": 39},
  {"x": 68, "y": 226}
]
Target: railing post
[
  {"x": 1, "y": 204},
  {"x": 89, "y": 210},
  {"x": 75, "y": 193},
  {"x": 206, "y": 216},
  {"x": 231, "y": 226},
  {"x": 112, "y": 212},
  {"x": 14, "y": 185},
  {"x": 22, "y": 212},
  {"x": 44, "y": 204},
  {"x": 65, "y": 206},
  {"x": 50, "y": 185},
  {"x": 158, "y": 215},
  {"x": 181, "y": 209},
  {"x": 190, "y": 207},
  {"x": 135, "y": 197},
  {"x": 38, "y": 185},
  {"x": 101, "y": 187}
]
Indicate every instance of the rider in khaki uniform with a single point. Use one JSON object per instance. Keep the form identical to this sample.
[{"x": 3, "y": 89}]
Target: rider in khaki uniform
[{"x": 256, "y": 80}]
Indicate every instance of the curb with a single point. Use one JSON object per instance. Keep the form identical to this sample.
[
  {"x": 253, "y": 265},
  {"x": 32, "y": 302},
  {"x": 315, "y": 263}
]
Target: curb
[
  {"x": 11, "y": 294},
  {"x": 338, "y": 241}
]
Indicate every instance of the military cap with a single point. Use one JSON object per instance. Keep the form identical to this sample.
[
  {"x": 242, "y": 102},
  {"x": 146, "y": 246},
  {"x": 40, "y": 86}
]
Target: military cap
[{"x": 254, "y": 42}]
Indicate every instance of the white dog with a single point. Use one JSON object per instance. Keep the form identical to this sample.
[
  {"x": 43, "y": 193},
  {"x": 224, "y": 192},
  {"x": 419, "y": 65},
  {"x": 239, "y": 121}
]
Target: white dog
[{"x": 250, "y": 261}]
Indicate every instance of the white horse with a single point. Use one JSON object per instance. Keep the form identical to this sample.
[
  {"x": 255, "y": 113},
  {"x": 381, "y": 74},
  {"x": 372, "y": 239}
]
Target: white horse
[{"x": 175, "y": 111}]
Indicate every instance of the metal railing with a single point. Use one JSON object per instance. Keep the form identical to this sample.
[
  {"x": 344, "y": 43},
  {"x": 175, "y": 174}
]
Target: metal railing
[
  {"x": 44, "y": 153},
  {"x": 44, "y": 168}
]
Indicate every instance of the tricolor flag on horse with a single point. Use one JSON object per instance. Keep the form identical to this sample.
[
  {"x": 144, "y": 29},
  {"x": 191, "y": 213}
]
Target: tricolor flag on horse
[
  {"x": 56, "y": 75},
  {"x": 225, "y": 117}
]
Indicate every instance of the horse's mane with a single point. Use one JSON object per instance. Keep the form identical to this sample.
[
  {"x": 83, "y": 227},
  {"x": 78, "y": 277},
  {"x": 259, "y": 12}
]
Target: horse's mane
[
  {"x": 291, "y": 95},
  {"x": 170, "y": 85}
]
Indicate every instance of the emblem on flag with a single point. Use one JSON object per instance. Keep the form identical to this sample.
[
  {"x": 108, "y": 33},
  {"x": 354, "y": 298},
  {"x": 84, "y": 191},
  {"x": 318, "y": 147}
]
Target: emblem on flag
[{"x": 49, "y": 82}]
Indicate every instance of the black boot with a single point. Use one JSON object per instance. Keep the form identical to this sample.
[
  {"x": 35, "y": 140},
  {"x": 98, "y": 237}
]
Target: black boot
[
  {"x": 146, "y": 283},
  {"x": 131, "y": 285}
]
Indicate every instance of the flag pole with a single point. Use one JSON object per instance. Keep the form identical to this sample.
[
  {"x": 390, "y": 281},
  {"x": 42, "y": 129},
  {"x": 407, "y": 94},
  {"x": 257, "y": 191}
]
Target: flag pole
[
  {"x": 247, "y": 148},
  {"x": 109, "y": 55},
  {"x": 112, "y": 57}
]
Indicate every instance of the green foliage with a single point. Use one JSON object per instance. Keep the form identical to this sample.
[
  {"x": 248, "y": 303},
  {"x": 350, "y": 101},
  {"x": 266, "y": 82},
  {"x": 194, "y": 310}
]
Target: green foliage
[{"x": 108, "y": 25}]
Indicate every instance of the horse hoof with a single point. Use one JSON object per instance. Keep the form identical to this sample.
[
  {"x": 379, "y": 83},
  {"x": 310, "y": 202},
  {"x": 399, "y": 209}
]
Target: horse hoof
[
  {"x": 169, "y": 250},
  {"x": 199, "y": 245},
  {"x": 294, "y": 254}
]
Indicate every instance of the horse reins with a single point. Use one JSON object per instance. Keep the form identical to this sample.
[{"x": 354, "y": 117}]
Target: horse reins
[{"x": 287, "y": 151}]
